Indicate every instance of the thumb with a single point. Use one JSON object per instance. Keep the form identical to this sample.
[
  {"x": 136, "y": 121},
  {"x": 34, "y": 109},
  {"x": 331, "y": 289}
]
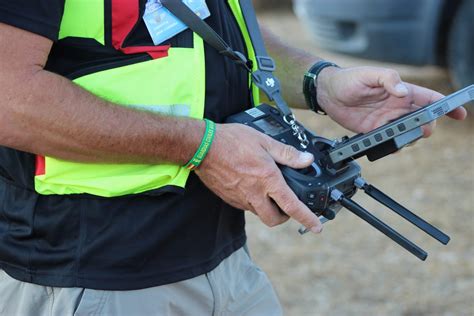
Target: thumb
[
  {"x": 289, "y": 155},
  {"x": 388, "y": 79},
  {"x": 391, "y": 81}
]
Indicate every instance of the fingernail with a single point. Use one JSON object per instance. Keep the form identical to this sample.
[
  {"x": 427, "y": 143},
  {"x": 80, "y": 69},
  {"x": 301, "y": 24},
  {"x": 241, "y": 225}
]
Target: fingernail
[
  {"x": 401, "y": 88},
  {"x": 306, "y": 156},
  {"x": 317, "y": 229}
]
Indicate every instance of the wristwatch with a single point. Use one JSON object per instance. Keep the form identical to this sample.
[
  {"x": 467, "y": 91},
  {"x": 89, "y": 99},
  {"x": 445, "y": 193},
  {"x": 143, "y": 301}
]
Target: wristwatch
[{"x": 309, "y": 85}]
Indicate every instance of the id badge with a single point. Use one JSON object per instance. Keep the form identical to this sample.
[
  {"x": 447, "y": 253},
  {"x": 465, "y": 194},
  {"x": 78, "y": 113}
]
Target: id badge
[{"x": 163, "y": 25}]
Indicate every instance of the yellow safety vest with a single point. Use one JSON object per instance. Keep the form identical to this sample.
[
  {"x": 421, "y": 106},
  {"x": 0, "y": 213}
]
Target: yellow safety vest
[{"x": 162, "y": 81}]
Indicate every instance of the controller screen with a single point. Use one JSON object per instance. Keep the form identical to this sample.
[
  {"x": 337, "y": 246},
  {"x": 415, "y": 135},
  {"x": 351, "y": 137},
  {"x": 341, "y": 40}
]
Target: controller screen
[{"x": 270, "y": 126}]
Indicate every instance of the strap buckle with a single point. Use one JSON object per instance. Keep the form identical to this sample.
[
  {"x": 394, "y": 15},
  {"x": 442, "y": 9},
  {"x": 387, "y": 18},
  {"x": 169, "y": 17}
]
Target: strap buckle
[{"x": 266, "y": 63}]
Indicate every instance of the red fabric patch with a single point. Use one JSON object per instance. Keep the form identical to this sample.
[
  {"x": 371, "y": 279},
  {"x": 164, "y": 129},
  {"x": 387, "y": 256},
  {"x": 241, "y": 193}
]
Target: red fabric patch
[
  {"x": 125, "y": 15},
  {"x": 154, "y": 51},
  {"x": 40, "y": 165}
]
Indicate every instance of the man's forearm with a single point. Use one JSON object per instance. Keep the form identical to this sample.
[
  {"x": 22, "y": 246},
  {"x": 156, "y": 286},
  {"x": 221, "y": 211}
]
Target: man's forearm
[
  {"x": 291, "y": 63},
  {"x": 46, "y": 114}
]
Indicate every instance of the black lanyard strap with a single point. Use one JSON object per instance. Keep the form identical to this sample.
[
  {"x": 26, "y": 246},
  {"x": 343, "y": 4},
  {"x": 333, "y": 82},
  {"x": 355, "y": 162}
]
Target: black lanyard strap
[
  {"x": 198, "y": 26},
  {"x": 263, "y": 77}
]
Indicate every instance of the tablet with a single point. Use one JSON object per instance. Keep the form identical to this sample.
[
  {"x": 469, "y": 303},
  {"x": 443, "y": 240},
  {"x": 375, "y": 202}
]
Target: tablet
[{"x": 400, "y": 132}]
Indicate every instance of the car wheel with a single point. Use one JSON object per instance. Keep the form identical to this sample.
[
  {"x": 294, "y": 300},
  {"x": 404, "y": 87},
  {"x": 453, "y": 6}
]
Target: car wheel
[{"x": 461, "y": 46}]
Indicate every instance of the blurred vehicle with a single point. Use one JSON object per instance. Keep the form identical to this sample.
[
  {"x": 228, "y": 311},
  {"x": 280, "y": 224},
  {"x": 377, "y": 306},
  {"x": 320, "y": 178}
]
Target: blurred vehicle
[{"x": 416, "y": 32}]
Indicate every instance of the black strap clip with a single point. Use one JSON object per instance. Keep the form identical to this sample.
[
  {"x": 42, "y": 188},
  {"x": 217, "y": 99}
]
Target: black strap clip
[
  {"x": 266, "y": 63},
  {"x": 238, "y": 58}
]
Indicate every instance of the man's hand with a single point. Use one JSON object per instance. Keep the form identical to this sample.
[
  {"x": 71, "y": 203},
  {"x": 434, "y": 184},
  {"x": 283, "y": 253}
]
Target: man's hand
[
  {"x": 364, "y": 98},
  {"x": 241, "y": 168}
]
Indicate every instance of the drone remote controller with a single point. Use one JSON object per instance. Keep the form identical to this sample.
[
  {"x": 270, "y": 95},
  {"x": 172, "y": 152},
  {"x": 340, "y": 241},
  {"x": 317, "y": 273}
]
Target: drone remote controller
[
  {"x": 312, "y": 185},
  {"x": 334, "y": 177}
]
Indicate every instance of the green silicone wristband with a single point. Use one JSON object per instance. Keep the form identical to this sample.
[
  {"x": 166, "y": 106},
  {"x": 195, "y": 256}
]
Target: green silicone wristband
[{"x": 205, "y": 146}]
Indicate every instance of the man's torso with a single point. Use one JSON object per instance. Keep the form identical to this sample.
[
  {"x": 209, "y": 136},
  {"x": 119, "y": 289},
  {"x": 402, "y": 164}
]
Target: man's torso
[{"x": 125, "y": 242}]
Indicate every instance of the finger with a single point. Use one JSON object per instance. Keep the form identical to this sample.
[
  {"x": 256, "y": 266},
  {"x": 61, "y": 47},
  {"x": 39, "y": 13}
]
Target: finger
[
  {"x": 387, "y": 78},
  {"x": 239, "y": 205},
  {"x": 459, "y": 114},
  {"x": 288, "y": 155},
  {"x": 253, "y": 212},
  {"x": 269, "y": 213},
  {"x": 293, "y": 207},
  {"x": 251, "y": 209},
  {"x": 391, "y": 81},
  {"x": 424, "y": 96},
  {"x": 428, "y": 129}
]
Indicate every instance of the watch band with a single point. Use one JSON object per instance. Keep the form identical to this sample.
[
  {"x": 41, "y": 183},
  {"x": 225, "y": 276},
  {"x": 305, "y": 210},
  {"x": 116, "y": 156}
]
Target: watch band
[{"x": 309, "y": 85}]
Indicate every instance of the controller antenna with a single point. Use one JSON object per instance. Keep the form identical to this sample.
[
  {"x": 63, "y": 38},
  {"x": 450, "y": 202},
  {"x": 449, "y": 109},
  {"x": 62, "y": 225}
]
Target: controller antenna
[
  {"x": 381, "y": 197},
  {"x": 358, "y": 210}
]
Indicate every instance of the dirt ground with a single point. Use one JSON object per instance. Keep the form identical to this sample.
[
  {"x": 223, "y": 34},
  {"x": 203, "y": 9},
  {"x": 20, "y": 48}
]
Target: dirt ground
[{"x": 352, "y": 269}]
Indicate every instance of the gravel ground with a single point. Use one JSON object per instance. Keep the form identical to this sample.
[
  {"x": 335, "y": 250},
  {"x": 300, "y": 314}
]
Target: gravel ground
[{"x": 352, "y": 269}]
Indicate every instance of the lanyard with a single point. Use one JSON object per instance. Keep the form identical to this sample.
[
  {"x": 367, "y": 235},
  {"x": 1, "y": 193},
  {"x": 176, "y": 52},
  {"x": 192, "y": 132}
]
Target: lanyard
[{"x": 263, "y": 77}]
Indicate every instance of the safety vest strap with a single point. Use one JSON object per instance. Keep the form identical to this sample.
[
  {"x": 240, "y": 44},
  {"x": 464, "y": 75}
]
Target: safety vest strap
[{"x": 237, "y": 11}]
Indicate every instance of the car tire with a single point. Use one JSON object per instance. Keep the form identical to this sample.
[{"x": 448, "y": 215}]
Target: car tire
[{"x": 461, "y": 46}]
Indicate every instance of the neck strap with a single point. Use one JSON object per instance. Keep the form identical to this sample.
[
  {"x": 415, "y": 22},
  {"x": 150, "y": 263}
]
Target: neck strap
[{"x": 263, "y": 77}]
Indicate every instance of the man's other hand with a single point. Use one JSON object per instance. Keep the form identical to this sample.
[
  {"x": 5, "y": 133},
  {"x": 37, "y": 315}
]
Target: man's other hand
[
  {"x": 241, "y": 168},
  {"x": 364, "y": 98}
]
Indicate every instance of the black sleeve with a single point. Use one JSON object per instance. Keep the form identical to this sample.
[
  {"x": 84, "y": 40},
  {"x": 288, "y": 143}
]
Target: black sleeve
[{"x": 42, "y": 17}]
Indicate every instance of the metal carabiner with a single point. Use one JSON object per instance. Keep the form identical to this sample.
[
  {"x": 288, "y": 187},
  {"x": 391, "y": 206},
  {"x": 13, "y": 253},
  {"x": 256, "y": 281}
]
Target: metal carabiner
[
  {"x": 297, "y": 130},
  {"x": 290, "y": 121},
  {"x": 304, "y": 142}
]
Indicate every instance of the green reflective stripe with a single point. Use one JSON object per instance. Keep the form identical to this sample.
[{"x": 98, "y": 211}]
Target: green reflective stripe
[
  {"x": 83, "y": 18},
  {"x": 236, "y": 9},
  {"x": 176, "y": 79}
]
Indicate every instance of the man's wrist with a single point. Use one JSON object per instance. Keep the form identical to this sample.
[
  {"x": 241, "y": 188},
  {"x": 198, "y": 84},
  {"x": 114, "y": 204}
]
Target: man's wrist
[
  {"x": 323, "y": 87},
  {"x": 204, "y": 147},
  {"x": 311, "y": 83}
]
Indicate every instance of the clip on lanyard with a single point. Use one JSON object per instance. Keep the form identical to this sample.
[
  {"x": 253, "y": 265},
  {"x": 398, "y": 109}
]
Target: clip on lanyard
[{"x": 263, "y": 77}]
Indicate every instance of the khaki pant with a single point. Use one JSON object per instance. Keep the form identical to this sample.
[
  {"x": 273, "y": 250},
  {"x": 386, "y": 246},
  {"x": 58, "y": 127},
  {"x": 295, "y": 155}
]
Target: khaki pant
[{"x": 236, "y": 287}]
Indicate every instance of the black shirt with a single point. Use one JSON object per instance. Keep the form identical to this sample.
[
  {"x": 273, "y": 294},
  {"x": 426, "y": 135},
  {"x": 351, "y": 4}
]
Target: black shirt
[{"x": 121, "y": 243}]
